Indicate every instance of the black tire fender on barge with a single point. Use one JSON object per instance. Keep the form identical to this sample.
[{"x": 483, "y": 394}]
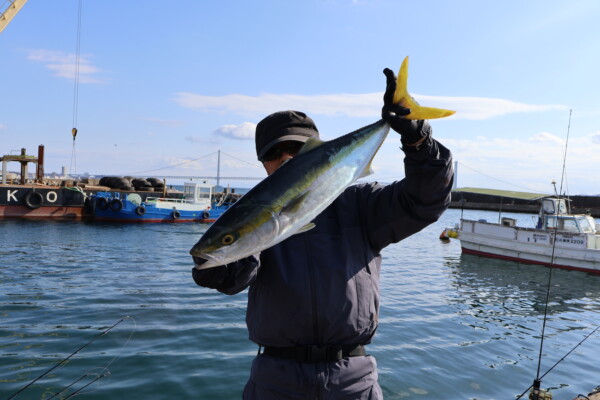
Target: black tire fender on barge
[
  {"x": 116, "y": 205},
  {"x": 175, "y": 214},
  {"x": 102, "y": 203},
  {"x": 140, "y": 210},
  {"x": 89, "y": 205},
  {"x": 205, "y": 215},
  {"x": 33, "y": 200}
]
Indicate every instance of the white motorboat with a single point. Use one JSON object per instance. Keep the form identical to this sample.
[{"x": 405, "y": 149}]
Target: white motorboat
[{"x": 559, "y": 239}]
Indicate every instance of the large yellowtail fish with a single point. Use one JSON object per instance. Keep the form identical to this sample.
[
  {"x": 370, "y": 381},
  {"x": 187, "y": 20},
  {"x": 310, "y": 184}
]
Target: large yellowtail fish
[{"x": 286, "y": 202}]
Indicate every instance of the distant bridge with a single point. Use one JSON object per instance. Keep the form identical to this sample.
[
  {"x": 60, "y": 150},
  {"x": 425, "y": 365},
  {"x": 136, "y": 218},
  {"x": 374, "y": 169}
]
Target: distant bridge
[{"x": 217, "y": 178}]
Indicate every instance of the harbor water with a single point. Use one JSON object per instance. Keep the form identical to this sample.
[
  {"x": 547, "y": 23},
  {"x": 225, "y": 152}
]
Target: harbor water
[{"x": 452, "y": 326}]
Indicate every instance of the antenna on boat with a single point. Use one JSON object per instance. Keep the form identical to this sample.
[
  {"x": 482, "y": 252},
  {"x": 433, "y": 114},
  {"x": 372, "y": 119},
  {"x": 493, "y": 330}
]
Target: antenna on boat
[
  {"x": 537, "y": 393},
  {"x": 73, "y": 167},
  {"x": 218, "y": 167}
]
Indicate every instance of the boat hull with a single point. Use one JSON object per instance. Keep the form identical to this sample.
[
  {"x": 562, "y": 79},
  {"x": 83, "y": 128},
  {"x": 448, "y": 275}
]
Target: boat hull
[
  {"x": 40, "y": 201},
  {"x": 575, "y": 251},
  {"x": 44, "y": 212},
  {"x": 106, "y": 207},
  {"x": 50, "y": 202},
  {"x": 130, "y": 216}
]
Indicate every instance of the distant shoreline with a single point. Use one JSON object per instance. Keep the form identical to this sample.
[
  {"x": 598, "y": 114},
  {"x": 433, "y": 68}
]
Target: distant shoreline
[{"x": 580, "y": 204}]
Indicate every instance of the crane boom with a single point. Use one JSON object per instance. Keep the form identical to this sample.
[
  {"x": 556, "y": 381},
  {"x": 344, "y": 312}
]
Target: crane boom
[{"x": 9, "y": 9}]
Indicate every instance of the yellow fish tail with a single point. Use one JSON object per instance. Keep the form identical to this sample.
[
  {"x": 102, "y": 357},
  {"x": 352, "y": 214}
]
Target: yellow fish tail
[{"x": 403, "y": 98}]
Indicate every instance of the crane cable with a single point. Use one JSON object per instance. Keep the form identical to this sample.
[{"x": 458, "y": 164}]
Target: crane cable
[{"x": 73, "y": 167}]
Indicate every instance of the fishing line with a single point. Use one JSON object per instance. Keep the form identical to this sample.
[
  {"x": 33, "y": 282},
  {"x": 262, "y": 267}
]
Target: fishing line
[
  {"x": 562, "y": 358},
  {"x": 97, "y": 377},
  {"x": 79, "y": 390},
  {"x": 60, "y": 363},
  {"x": 538, "y": 378},
  {"x": 105, "y": 371}
]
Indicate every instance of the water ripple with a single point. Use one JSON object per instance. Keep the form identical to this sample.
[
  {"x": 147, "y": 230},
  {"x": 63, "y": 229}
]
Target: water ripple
[{"x": 451, "y": 326}]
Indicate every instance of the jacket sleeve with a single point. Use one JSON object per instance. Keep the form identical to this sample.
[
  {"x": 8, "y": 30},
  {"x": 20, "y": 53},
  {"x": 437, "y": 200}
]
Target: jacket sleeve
[
  {"x": 228, "y": 279},
  {"x": 396, "y": 211}
]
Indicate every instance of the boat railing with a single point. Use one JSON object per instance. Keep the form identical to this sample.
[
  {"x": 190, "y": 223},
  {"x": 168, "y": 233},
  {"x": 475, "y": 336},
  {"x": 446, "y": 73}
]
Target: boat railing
[
  {"x": 154, "y": 200},
  {"x": 566, "y": 229},
  {"x": 166, "y": 200}
]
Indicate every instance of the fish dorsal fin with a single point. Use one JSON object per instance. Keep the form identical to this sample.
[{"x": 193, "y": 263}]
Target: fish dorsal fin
[
  {"x": 402, "y": 97},
  {"x": 311, "y": 143}
]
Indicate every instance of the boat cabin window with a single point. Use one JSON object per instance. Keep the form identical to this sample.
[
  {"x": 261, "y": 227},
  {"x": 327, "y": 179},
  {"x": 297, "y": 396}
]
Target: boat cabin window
[
  {"x": 554, "y": 206},
  {"x": 197, "y": 192},
  {"x": 564, "y": 224},
  {"x": 569, "y": 225},
  {"x": 203, "y": 193},
  {"x": 550, "y": 223},
  {"x": 188, "y": 191},
  {"x": 585, "y": 225}
]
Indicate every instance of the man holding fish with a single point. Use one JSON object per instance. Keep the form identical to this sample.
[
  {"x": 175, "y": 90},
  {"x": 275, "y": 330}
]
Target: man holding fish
[{"x": 308, "y": 245}]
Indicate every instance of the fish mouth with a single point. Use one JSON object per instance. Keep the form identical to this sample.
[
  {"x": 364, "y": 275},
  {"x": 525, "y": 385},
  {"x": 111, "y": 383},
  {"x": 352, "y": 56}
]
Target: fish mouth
[{"x": 201, "y": 260}]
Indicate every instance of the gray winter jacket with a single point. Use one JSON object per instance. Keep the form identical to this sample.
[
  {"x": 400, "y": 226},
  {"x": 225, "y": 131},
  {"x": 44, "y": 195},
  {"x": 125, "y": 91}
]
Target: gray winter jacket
[{"x": 322, "y": 286}]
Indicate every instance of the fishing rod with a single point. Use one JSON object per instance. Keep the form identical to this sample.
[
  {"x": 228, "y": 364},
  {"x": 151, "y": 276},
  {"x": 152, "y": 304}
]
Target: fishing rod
[
  {"x": 60, "y": 363},
  {"x": 535, "y": 394},
  {"x": 105, "y": 372},
  {"x": 561, "y": 360}
]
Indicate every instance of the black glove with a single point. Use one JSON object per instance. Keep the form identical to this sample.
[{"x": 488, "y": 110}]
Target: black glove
[
  {"x": 223, "y": 277},
  {"x": 413, "y": 133}
]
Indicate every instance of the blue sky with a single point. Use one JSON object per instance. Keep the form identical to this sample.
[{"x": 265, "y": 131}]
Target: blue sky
[{"x": 165, "y": 85}]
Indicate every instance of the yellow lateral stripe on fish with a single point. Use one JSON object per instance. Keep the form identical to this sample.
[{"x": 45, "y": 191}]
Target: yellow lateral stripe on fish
[{"x": 402, "y": 97}]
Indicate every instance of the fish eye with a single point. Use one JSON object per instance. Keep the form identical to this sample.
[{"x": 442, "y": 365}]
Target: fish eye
[{"x": 227, "y": 240}]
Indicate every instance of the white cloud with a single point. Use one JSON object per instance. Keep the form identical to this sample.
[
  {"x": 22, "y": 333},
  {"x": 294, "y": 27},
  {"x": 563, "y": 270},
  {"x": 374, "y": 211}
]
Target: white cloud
[
  {"x": 479, "y": 108},
  {"x": 352, "y": 105},
  {"x": 243, "y": 131},
  {"x": 64, "y": 65},
  {"x": 528, "y": 164},
  {"x": 548, "y": 137}
]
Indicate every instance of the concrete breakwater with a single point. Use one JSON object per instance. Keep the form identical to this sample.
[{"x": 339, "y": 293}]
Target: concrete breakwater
[{"x": 580, "y": 204}]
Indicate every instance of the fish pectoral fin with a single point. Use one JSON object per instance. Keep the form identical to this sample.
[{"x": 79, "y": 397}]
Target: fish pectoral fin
[
  {"x": 311, "y": 143},
  {"x": 306, "y": 228},
  {"x": 366, "y": 172},
  {"x": 403, "y": 98},
  {"x": 294, "y": 204}
]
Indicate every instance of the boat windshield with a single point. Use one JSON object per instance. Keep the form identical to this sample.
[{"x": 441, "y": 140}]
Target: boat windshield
[
  {"x": 197, "y": 193},
  {"x": 564, "y": 224},
  {"x": 204, "y": 193},
  {"x": 579, "y": 224},
  {"x": 585, "y": 225}
]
